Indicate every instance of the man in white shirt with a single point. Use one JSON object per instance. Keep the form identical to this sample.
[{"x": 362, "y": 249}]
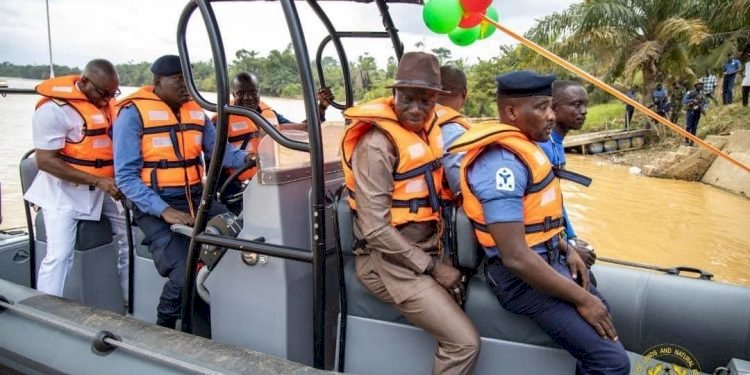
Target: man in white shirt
[{"x": 72, "y": 138}]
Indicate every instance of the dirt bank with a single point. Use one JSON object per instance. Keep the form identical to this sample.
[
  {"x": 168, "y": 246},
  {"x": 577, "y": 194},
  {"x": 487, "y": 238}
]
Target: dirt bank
[{"x": 726, "y": 128}]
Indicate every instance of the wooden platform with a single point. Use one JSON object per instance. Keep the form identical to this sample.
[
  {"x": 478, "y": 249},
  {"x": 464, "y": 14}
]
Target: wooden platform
[{"x": 613, "y": 135}]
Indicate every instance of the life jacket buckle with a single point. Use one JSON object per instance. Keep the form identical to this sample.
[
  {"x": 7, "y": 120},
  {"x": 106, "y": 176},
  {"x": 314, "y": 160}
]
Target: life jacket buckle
[
  {"x": 547, "y": 223},
  {"x": 414, "y": 206},
  {"x": 162, "y": 164}
]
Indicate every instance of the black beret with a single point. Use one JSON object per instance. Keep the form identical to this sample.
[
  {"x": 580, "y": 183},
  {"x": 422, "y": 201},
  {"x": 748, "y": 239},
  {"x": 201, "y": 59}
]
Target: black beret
[
  {"x": 523, "y": 83},
  {"x": 167, "y": 65}
]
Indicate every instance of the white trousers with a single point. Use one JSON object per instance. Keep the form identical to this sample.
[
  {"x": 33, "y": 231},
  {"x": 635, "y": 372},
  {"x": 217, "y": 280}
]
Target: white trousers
[{"x": 61, "y": 237}]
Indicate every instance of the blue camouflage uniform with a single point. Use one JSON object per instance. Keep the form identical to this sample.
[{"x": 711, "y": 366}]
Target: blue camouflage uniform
[{"x": 503, "y": 203}]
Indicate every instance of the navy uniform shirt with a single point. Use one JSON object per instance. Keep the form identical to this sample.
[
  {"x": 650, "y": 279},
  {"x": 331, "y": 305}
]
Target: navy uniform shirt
[{"x": 498, "y": 179}]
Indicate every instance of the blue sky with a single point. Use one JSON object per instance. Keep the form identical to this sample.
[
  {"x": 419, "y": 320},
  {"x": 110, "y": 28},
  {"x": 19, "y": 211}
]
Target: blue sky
[{"x": 142, "y": 30}]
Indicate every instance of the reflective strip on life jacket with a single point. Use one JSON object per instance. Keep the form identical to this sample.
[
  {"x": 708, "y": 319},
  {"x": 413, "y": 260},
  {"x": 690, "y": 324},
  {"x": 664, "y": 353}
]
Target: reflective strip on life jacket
[
  {"x": 418, "y": 171},
  {"x": 93, "y": 153},
  {"x": 171, "y": 147},
  {"x": 542, "y": 201}
]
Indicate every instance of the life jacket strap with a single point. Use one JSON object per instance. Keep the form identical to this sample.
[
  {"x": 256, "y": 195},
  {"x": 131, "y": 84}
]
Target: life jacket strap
[
  {"x": 165, "y": 164},
  {"x": 572, "y": 176},
  {"x": 98, "y": 163},
  {"x": 547, "y": 225}
]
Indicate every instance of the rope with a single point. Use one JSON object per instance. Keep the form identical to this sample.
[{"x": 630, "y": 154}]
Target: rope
[{"x": 612, "y": 91}]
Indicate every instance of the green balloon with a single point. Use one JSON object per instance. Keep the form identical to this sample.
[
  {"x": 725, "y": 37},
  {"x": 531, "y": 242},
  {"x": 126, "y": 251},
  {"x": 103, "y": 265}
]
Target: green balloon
[
  {"x": 442, "y": 16},
  {"x": 464, "y": 37},
  {"x": 487, "y": 29}
]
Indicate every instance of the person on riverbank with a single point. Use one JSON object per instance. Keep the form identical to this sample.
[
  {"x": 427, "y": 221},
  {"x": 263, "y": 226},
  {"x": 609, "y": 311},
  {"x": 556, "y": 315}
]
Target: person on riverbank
[
  {"x": 660, "y": 100},
  {"x": 678, "y": 93},
  {"x": 731, "y": 68},
  {"x": 709, "y": 86},
  {"x": 629, "y": 109},
  {"x": 517, "y": 212},
  {"x": 76, "y": 176},
  {"x": 570, "y": 106},
  {"x": 390, "y": 157},
  {"x": 159, "y": 137},
  {"x": 695, "y": 103},
  {"x": 746, "y": 81},
  {"x": 244, "y": 134}
]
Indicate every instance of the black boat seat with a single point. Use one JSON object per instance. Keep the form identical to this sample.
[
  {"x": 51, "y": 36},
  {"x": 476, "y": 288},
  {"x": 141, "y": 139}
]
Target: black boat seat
[
  {"x": 89, "y": 234},
  {"x": 482, "y": 306},
  {"x": 360, "y": 301}
]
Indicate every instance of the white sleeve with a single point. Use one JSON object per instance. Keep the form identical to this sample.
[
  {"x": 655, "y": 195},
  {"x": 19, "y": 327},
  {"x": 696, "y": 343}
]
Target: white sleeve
[{"x": 50, "y": 125}]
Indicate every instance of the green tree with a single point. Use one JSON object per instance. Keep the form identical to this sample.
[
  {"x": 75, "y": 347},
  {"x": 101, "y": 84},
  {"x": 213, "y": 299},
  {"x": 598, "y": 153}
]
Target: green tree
[
  {"x": 443, "y": 54},
  {"x": 627, "y": 38}
]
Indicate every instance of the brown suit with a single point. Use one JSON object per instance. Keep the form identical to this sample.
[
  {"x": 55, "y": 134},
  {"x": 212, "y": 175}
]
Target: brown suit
[{"x": 393, "y": 262}]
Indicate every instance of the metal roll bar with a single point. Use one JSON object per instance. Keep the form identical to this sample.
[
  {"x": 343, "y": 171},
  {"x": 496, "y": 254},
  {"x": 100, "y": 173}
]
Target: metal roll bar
[
  {"x": 335, "y": 37},
  {"x": 317, "y": 255}
]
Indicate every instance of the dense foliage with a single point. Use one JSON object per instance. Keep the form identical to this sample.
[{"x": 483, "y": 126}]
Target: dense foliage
[{"x": 624, "y": 42}]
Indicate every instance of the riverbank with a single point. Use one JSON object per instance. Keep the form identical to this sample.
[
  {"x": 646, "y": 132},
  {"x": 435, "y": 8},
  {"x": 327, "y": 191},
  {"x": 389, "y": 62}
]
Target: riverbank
[{"x": 725, "y": 127}]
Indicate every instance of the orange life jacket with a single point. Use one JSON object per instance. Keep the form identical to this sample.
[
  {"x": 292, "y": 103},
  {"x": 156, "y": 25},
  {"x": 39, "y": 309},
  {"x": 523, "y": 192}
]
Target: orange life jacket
[
  {"x": 171, "y": 146},
  {"x": 418, "y": 170},
  {"x": 93, "y": 153},
  {"x": 245, "y": 135},
  {"x": 446, "y": 115},
  {"x": 542, "y": 201}
]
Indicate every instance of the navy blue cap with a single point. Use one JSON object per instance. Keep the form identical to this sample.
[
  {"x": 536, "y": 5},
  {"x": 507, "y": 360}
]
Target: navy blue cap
[
  {"x": 524, "y": 83},
  {"x": 167, "y": 65}
]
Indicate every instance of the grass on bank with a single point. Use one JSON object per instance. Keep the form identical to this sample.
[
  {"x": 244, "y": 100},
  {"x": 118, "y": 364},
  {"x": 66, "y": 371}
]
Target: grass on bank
[{"x": 718, "y": 119}]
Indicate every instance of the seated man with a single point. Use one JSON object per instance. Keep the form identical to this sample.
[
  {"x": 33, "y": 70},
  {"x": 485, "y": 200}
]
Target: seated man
[
  {"x": 452, "y": 124},
  {"x": 244, "y": 134},
  {"x": 159, "y": 137},
  {"x": 569, "y": 102},
  {"x": 516, "y": 208},
  {"x": 389, "y": 157}
]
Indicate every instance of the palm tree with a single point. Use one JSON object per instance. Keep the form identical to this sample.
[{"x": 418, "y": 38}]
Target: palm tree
[
  {"x": 627, "y": 38},
  {"x": 730, "y": 31}
]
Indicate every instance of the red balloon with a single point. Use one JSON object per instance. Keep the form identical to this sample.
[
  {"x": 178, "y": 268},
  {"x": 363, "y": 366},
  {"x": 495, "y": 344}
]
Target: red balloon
[
  {"x": 470, "y": 20},
  {"x": 475, "y": 6}
]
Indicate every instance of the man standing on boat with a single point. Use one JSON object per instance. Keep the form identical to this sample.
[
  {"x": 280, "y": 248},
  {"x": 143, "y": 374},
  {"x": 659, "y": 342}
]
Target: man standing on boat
[
  {"x": 569, "y": 104},
  {"x": 515, "y": 203},
  {"x": 391, "y": 160},
  {"x": 71, "y": 128},
  {"x": 159, "y": 136}
]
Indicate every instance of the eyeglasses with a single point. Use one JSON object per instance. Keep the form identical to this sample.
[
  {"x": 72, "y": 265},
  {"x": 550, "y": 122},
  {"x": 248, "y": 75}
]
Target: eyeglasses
[{"x": 102, "y": 92}]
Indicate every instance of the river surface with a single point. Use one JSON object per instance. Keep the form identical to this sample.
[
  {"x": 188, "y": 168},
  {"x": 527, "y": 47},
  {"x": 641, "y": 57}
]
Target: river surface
[{"x": 624, "y": 216}]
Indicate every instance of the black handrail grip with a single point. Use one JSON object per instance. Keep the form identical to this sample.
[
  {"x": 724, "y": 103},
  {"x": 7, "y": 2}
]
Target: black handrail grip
[
  {"x": 7, "y": 90},
  {"x": 704, "y": 275},
  {"x": 131, "y": 256},
  {"x": 255, "y": 246},
  {"x": 344, "y": 60},
  {"x": 343, "y": 303},
  {"x": 30, "y": 227}
]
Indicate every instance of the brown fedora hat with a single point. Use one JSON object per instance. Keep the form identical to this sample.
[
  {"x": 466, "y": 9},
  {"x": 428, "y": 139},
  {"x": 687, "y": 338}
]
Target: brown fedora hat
[{"x": 419, "y": 70}]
